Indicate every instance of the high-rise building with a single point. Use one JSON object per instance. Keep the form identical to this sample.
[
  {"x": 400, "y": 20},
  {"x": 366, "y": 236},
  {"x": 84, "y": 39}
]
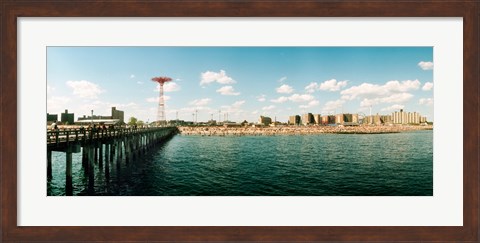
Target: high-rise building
[
  {"x": 117, "y": 114},
  {"x": 376, "y": 119},
  {"x": 67, "y": 118},
  {"x": 347, "y": 118},
  {"x": 324, "y": 120},
  {"x": 331, "y": 119},
  {"x": 395, "y": 117},
  {"x": 339, "y": 119},
  {"x": 386, "y": 119},
  {"x": 294, "y": 120},
  {"x": 307, "y": 119},
  {"x": 355, "y": 118},
  {"x": 265, "y": 120},
  {"x": 403, "y": 117},
  {"x": 317, "y": 119},
  {"x": 52, "y": 118}
]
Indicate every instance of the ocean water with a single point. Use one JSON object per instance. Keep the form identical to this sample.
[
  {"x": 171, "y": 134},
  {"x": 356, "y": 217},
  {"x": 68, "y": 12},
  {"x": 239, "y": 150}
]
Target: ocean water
[{"x": 399, "y": 164}]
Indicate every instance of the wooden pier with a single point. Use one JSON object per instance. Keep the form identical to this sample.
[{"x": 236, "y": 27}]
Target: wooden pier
[{"x": 100, "y": 146}]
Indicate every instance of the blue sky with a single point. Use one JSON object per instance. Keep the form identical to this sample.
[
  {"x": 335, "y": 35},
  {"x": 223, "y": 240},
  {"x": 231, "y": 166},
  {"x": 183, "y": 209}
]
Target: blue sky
[{"x": 244, "y": 82}]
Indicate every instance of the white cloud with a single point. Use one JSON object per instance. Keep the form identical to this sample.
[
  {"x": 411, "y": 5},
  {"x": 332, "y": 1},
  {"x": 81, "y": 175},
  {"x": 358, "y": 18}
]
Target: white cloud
[
  {"x": 332, "y": 85},
  {"x": 267, "y": 108},
  {"x": 127, "y": 105},
  {"x": 254, "y": 112},
  {"x": 310, "y": 104},
  {"x": 284, "y": 89},
  {"x": 281, "y": 99},
  {"x": 395, "y": 86},
  {"x": 282, "y": 79},
  {"x": 367, "y": 90},
  {"x": 426, "y": 101},
  {"x": 132, "y": 76},
  {"x": 425, "y": 65},
  {"x": 332, "y": 106},
  {"x": 201, "y": 102},
  {"x": 85, "y": 89},
  {"x": 234, "y": 108},
  {"x": 294, "y": 98},
  {"x": 57, "y": 103},
  {"x": 171, "y": 87},
  {"x": 261, "y": 98},
  {"x": 311, "y": 87},
  {"x": 227, "y": 90},
  {"x": 301, "y": 98},
  {"x": 393, "y": 108},
  {"x": 152, "y": 99},
  {"x": 168, "y": 87},
  {"x": 238, "y": 103},
  {"x": 328, "y": 85},
  {"x": 427, "y": 86},
  {"x": 98, "y": 107},
  {"x": 394, "y": 98},
  {"x": 139, "y": 82},
  {"x": 211, "y": 77}
]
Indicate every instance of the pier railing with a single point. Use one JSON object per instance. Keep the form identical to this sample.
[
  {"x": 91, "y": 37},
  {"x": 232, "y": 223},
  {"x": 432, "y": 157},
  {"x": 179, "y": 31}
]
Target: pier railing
[{"x": 58, "y": 136}]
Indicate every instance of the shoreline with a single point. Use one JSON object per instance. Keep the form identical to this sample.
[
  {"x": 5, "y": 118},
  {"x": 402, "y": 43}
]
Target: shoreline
[{"x": 295, "y": 130}]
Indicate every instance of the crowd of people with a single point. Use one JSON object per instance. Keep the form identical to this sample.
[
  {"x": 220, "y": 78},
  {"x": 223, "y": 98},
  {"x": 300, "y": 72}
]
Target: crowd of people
[
  {"x": 55, "y": 127},
  {"x": 295, "y": 130}
]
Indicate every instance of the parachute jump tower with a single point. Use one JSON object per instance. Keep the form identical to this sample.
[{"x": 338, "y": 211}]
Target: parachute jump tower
[{"x": 161, "y": 101}]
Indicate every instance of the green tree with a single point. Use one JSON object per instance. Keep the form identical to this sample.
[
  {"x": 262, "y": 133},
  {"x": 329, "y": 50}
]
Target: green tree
[
  {"x": 140, "y": 123},
  {"x": 132, "y": 121}
]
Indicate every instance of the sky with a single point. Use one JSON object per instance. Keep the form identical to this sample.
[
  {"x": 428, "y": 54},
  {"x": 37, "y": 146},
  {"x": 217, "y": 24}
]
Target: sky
[{"x": 244, "y": 82}]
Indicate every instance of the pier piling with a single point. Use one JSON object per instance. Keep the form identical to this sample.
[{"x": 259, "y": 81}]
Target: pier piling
[
  {"x": 68, "y": 172},
  {"x": 100, "y": 155},
  {"x": 49, "y": 164},
  {"x": 95, "y": 149},
  {"x": 91, "y": 169}
]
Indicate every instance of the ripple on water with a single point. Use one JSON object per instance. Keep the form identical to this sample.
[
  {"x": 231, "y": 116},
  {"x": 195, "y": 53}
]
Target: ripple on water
[{"x": 315, "y": 165}]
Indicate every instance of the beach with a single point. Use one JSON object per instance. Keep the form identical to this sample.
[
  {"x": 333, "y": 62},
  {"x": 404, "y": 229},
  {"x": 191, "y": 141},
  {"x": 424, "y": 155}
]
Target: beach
[{"x": 295, "y": 130}]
